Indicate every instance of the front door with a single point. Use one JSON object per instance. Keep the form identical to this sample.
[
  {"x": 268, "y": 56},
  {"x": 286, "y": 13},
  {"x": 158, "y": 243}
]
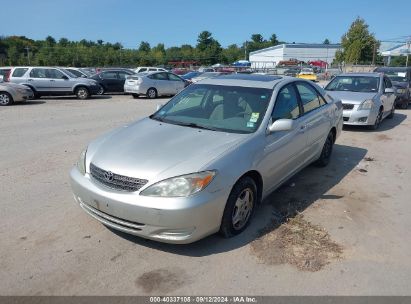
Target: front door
[
  {"x": 110, "y": 81},
  {"x": 59, "y": 81},
  {"x": 176, "y": 82},
  {"x": 285, "y": 151}
]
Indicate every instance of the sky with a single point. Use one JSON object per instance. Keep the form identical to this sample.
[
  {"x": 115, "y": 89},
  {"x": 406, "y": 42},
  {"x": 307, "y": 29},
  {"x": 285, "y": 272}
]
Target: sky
[{"x": 177, "y": 22}]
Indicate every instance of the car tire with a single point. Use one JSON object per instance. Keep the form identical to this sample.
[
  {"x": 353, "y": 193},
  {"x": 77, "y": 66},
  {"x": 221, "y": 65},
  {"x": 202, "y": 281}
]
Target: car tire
[
  {"x": 404, "y": 105},
  {"x": 326, "y": 152},
  {"x": 239, "y": 208},
  {"x": 82, "y": 93},
  {"x": 391, "y": 115},
  {"x": 101, "y": 90},
  {"x": 135, "y": 95},
  {"x": 152, "y": 93},
  {"x": 6, "y": 99},
  {"x": 377, "y": 122}
]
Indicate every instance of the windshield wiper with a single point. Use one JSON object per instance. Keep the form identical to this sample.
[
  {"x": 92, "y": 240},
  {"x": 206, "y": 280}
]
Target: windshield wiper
[{"x": 194, "y": 125}]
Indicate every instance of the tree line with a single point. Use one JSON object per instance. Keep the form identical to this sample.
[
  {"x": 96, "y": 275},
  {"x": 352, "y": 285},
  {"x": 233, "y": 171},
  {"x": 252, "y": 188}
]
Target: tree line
[{"x": 20, "y": 50}]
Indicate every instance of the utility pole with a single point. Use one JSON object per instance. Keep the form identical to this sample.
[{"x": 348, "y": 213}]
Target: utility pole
[
  {"x": 245, "y": 50},
  {"x": 373, "y": 53},
  {"x": 28, "y": 53},
  {"x": 408, "y": 50}
]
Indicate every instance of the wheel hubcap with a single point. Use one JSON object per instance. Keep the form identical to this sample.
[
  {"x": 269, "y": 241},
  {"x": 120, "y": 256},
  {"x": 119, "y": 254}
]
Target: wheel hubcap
[
  {"x": 82, "y": 93},
  {"x": 151, "y": 93},
  {"x": 242, "y": 209},
  {"x": 4, "y": 99}
]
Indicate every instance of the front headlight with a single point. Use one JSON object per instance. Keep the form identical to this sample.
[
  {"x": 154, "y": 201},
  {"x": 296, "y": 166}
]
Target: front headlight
[
  {"x": 400, "y": 91},
  {"x": 81, "y": 163},
  {"x": 180, "y": 186},
  {"x": 366, "y": 105}
]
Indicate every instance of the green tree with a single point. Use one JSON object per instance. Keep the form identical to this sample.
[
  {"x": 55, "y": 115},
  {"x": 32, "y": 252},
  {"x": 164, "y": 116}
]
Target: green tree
[
  {"x": 144, "y": 47},
  {"x": 274, "y": 40},
  {"x": 359, "y": 45},
  {"x": 326, "y": 41}
]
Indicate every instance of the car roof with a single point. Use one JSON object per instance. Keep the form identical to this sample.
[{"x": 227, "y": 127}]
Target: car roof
[
  {"x": 393, "y": 69},
  {"x": 371, "y": 74},
  {"x": 247, "y": 80}
]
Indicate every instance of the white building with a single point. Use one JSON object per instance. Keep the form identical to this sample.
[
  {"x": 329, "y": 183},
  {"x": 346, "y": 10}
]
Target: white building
[
  {"x": 397, "y": 50},
  {"x": 270, "y": 57}
]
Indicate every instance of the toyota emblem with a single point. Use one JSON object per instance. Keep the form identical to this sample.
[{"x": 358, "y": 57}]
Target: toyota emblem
[{"x": 108, "y": 176}]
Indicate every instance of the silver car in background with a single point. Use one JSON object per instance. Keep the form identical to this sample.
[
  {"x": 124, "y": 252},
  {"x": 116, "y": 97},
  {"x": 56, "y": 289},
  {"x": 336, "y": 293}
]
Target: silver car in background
[
  {"x": 154, "y": 84},
  {"x": 11, "y": 93},
  {"x": 53, "y": 81},
  {"x": 205, "y": 160},
  {"x": 367, "y": 98}
]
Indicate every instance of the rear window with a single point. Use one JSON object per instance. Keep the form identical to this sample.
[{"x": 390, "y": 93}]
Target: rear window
[{"x": 19, "y": 72}]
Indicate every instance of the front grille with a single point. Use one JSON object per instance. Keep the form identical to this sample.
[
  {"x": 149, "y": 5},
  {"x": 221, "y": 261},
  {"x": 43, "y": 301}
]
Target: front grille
[
  {"x": 348, "y": 106},
  {"x": 116, "y": 181}
]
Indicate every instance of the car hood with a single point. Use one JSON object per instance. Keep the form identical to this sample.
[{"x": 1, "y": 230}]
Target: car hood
[
  {"x": 153, "y": 150},
  {"x": 351, "y": 97}
]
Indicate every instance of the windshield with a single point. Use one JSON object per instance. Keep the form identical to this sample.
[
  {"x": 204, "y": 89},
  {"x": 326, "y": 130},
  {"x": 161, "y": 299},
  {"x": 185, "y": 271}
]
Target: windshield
[
  {"x": 364, "y": 84},
  {"x": 190, "y": 75},
  {"x": 397, "y": 76},
  {"x": 219, "y": 108}
]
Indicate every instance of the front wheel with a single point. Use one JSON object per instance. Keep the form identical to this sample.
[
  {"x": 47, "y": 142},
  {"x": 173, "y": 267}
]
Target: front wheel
[
  {"x": 391, "y": 115},
  {"x": 377, "y": 122},
  {"x": 326, "y": 151},
  {"x": 5, "y": 99},
  {"x": 82, "y": 93},
  {"x": 239, "y": 208},
  {"x": 100, "y": 91}
]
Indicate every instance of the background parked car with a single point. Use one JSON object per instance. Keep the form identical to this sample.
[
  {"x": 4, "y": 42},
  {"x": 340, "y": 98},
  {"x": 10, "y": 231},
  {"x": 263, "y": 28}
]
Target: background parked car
[
  {"x": 5, "y": 72},
  {"x": 190, "y": 75},
  {"x": 154, "y": 84},
  {"x": 77, "y": 72},
  {"x": 149, "y": 69},
  {"x": 53, "y": 81},
  {"x": 401, "y": 80},
  {"x": 367, "y": 98},
  {"x": 12, "y": 92},
  {"x": 206, "y": 75},
  {"x": 111, "y": 80}
]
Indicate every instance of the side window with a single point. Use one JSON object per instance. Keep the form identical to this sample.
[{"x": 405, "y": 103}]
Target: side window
[
  {"x": 160, "y": 76},
  {"x": 152, "y": 69},
  {"x": 309, "y": 97},
  {"x": 75, "y": 72},
  {"x": 122, "y": 75},
  {"x": 173, "y": 77},
  {"x": 38, "y": 73},
  {"x": 54, "y": 74},
  {"x": 109, "y": 75},
  {"x": 142, "y": 70},
  {"x": 19, "y": 72},
  {"x": 286, "y": 105}
]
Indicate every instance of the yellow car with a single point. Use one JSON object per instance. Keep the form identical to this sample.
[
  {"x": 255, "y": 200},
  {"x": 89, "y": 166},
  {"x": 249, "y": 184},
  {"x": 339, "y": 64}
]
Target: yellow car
[{"x": 307, "y": 73}]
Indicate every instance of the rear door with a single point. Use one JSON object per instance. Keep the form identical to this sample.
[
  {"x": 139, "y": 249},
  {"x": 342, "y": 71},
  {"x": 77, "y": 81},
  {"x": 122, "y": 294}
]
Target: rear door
[
  {"x": 285, "y": 151},
  {"x": 122, "y": 75},
  {"x": 162, "y": 84},
  {"x": 317, "y": 117},
  {"x": 38, "y": 78}
]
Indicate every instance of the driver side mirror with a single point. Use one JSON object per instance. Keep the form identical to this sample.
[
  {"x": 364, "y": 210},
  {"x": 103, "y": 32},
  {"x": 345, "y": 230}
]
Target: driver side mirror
[
  {"x": 281, "y": 125},
  {"x": 389, "y": 91}
]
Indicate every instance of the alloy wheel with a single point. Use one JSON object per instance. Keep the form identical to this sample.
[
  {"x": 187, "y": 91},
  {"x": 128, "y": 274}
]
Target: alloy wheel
[
  {"x": 242, "y": 209},
  {"x": 4, "y": 99}
]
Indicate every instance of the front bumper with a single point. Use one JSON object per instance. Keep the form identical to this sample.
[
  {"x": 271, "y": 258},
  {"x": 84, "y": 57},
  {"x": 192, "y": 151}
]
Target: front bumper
[
  {"x": 169, "y": 220},
  {"x": 357, "y": 117},
  {"x": 23, "y": 96}
]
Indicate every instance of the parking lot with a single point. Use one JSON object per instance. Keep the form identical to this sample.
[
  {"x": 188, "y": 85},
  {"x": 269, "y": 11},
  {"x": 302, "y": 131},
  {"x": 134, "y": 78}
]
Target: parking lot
[{"x": 350, "y": 220}]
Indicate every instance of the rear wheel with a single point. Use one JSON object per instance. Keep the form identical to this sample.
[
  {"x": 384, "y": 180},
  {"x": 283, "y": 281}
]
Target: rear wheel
[
  {"x": 100, "y": 90},
  {"x": 82, "y": 93},
  {"x": 239, "y": 208},
  {"x": 326, "y": 151},
  {"x": 151, "y": 93},
  {"x": 5, "y": 99}
]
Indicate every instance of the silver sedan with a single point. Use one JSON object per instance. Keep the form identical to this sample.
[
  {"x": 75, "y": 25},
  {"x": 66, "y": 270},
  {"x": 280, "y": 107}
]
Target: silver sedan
[
  {"x": 367, "y": 98},
  {"x": 11, "y": 92},
  {"x": 205, "y": 160},
  {"x": 154, "y": 84}
]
